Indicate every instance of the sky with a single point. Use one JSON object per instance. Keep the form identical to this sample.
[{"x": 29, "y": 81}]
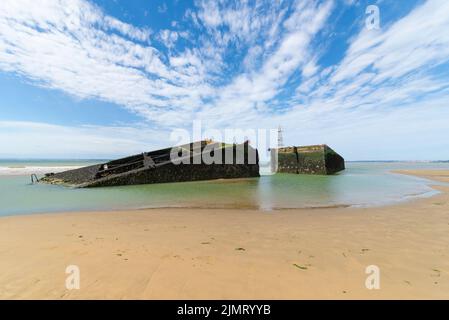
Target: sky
[{"x": 103, "y": 79}]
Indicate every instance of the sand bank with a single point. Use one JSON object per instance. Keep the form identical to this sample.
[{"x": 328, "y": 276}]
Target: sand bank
[{"x": 232, "y": 254}]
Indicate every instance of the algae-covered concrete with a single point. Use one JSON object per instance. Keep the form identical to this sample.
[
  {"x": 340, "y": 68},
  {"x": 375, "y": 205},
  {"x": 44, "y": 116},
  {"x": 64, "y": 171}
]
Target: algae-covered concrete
[
  {"x": 204, "y": 160},
  {"x": 316, "y": 159}
]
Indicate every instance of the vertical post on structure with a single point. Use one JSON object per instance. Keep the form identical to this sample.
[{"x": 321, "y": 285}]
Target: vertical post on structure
[{"x": 280, "y": 138}]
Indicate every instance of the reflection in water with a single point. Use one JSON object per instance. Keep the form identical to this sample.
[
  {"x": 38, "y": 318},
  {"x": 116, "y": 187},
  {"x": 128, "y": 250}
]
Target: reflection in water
[{"x": 283, "y": 191}]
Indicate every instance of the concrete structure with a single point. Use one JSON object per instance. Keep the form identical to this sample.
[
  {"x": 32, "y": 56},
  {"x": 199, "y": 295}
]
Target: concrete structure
[
  {"x": 232, "y": 161},
  {"x": 317, "y": 159}
]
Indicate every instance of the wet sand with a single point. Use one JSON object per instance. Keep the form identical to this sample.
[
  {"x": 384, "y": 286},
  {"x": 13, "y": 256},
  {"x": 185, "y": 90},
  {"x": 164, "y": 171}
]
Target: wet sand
[{"x": 232, "y": 254}]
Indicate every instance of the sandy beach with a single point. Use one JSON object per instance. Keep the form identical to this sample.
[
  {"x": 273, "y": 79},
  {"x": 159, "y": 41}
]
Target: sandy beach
[{"x": 232, "y": 254}]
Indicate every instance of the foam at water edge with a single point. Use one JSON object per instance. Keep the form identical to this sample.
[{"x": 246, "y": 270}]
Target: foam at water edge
[{"x": 26, "y": 170}]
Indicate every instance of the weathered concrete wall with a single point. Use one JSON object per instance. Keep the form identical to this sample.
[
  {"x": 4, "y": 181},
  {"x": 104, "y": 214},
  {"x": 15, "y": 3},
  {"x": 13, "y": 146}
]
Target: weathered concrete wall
[
  {"x": 288, "y": 162},
  {"x": 334, "y": 162},
  {"x": 319, "y": 159},
  {"x": 132, "y": 170},
  {"x": 180, "y": 173},
  {"x": 72, "y": 177}
]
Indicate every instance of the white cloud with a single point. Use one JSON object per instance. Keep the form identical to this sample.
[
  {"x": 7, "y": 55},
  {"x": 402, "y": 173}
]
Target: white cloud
[
  {"x": 67, "y": 45},
  {"x": 238, "y": 101},
  {"x": 387, "y": 87},
  {"x": 168, "y": 37},
  {"x": 42, "y": 140},
  {"x": 71, "y": 45}
]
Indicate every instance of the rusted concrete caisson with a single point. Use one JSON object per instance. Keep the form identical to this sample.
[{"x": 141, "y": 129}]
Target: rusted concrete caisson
[
  {"x": 317, "y": 159},
  {"x": 203, "y": 160}
]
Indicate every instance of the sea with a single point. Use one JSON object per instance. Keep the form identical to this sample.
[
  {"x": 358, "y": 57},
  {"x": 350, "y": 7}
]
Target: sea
[{"x": 362, "y": 184}]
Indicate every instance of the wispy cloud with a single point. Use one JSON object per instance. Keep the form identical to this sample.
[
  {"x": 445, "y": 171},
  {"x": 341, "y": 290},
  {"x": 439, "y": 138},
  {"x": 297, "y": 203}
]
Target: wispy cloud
[
  {"x": 68, "y": 45},
  {"x": 26, "y": 139},
  {"x": 240, "y": 63},
  {"x": 382, "y": 71}
]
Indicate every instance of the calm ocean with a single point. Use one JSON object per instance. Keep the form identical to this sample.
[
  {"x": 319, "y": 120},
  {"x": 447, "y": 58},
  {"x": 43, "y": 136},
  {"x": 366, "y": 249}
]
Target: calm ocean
[{"x": 361, "y": 184}]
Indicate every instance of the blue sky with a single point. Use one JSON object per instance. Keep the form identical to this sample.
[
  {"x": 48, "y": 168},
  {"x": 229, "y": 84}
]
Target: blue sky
[{"x": 101, "y": 79}]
